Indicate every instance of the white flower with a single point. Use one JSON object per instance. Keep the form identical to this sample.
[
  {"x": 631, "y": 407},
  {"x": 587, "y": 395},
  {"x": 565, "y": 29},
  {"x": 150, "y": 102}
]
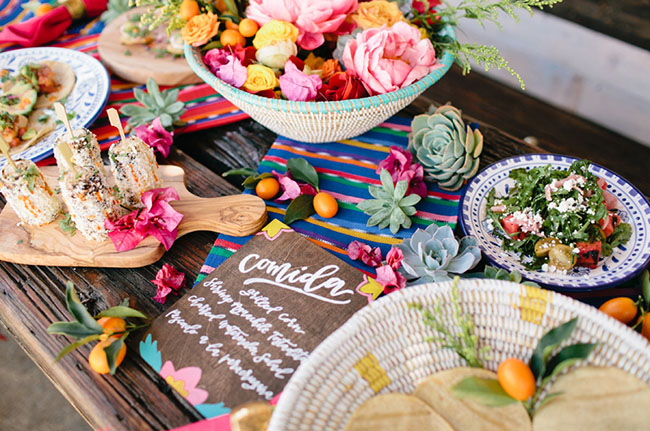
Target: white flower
[{"x": 276, "y": 55}]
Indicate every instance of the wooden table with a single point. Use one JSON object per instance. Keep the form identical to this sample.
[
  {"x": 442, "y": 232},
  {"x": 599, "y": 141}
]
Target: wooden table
[{"x": 137, "y": 398}]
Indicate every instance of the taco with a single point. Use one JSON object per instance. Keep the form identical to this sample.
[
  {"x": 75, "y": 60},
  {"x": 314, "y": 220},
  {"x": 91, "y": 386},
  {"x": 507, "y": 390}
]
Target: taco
[
  {"x": 396, "y": 412},
  {"x": 596, "y": 399},
  {"x": 22, "y": 132},
  {"x": 56, "y": 81},
  {"x": 466, "y": 414}
]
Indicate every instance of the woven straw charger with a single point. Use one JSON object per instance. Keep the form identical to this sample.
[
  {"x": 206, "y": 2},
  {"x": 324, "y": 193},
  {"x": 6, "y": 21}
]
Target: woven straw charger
[
  {"x": 319, "y": 122},
  {"x": 383, "y": 347}
]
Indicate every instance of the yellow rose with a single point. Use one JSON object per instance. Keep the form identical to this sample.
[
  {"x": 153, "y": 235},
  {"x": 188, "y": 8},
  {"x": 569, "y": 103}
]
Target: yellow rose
[
  {"x": 260, "y": 78},
  {"x": 374, "y": 14},
  {"x": 200, "y": 29},
  {"x": 275, "y": 31}
]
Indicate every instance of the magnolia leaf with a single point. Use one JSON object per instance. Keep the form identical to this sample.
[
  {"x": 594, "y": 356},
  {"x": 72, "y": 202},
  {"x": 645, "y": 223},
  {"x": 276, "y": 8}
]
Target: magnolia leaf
[
  {"x": 547, "y": 344},
  {"x": 548, "y": 398},
  {"x": 484, "y": 391},
  {"x": 251, "y": 181},
  {"x": 77, "y": 309},
  {"x": 299, "y": 209},
  {"x": 121, "y": 311},
  {"x": 567, "y": 357},
  {"x": 301, "y": 170},
  {"x": 240, "y": 171},
  {"x": 70, "y": 347},
  {"x": 73, "y": 329},
  {"x": 112, "y": 350}
]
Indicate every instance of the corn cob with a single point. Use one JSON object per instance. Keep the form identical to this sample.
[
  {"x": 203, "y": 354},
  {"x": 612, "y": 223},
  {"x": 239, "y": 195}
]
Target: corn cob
[
  {"x": 89, "y": 200},
  {"x": 135, "y": 170},
  {"x": 28, "y": 194},
  {"x": 85, "y": 150}
]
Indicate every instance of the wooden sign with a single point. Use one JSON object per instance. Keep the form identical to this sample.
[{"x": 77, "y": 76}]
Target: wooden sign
[{"x": 240, "y": 334}]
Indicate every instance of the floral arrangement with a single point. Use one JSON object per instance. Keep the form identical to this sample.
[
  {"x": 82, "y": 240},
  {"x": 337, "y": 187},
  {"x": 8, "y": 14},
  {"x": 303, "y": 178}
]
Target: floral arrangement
[{"x": 329, "y": 51}]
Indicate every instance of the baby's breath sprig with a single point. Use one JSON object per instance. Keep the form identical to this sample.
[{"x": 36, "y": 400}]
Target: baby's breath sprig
[{"x": 463, "y": 341}]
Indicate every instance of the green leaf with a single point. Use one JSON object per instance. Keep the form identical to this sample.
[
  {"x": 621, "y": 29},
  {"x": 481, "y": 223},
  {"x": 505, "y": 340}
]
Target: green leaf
[
  {"x": 154, "y": 91},
  {"x": 251, "y": 182},
  {"x": 484, "y": 391},
  {"x": 301, "y": 170},
  {"x": 131, "y": 110},
  {"x": 70, "y": 347},
  {"x": 547, "y": 344},
  {"x": 299, "y": 209},
  {"x": 141, "y": 96},
  {"x": 645, "y": 288},
  {"x": 166, "y": 120},
  {"x": 240, "y": 171},
  {"x": 387, "y": 182},
  {"x": 567, "y": 357},
  {"x": 73, "y": 329},
  {"x": 175, "y": 107},
  {"x": 121, "y": 311},
  {"x": 77, "y": 309},
  {"x": 112, "y": 350}
]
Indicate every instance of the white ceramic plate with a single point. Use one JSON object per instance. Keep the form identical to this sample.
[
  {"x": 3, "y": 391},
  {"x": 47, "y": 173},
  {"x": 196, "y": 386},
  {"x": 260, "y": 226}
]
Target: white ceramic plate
[
  {"x": 624, "y": 263},
  {"x": 87, "y": 99}
]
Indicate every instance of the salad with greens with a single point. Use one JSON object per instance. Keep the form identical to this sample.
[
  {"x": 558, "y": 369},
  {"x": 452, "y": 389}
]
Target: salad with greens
[{"x": 556, "y": 219}]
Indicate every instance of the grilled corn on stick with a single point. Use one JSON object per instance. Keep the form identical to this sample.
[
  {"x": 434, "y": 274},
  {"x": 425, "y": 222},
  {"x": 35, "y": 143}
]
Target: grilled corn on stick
[
  {"x": 27, "y": 192},
  {"x": 135, "y": 170},
  {"x": 89, "y": 200},
  {"x": 85, "y": 150}
]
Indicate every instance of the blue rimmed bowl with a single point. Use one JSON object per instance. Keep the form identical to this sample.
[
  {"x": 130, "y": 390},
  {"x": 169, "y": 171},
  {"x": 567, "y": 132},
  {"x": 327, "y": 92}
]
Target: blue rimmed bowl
[{"x": 320, "y": 121}]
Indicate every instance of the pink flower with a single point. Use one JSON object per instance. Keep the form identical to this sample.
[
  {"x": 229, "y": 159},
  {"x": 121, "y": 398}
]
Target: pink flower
[
  {"x": 226, "y": 66},
  {"x": 397, "y": 161},
  {"x": 156, "y": 136},
  {"x": 184, "y": 381},
  {"x": 394, "y": 258},
  {"x": 158, "y": 218},
  {"x": 387, "y": 59},
  {"x": 297, "y": 85},
  {"x": 414, "y": 175},
  {"x": 168, "y": 280},
  {"x": 368, "y": 255},
  {"x": 290, "y": 188},
  {"x": 313, "y": 18},
  {"x": 390, "y": 279}
]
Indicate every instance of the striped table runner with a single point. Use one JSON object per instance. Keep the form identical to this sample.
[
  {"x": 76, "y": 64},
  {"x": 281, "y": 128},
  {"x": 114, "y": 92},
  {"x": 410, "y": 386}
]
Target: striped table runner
[
  {"x": 346, "y": 169},
  {"x": 205, "y": 108}
]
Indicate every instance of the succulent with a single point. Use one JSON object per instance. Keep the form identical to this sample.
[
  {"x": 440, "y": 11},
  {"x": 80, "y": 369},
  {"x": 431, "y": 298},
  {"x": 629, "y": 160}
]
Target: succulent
[
  {"x": 433, "y": 253},
  {"x": 155, "y": 104},
  {"x": 447, "y": 149},
  {"x": 390, "y": 206}
]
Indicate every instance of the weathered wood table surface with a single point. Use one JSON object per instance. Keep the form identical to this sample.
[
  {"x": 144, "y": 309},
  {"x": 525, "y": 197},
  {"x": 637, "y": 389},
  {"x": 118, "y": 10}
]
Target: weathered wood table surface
[{"x": 137, "y": 398}]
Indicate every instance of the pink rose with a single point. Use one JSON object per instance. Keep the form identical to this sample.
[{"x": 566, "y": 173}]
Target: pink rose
[
  {"x": 156, "y": 136},
  {"x": 313, "y": 17},
  {"x": 297, "y": 85},
  {"x": 387, "y": 59}
]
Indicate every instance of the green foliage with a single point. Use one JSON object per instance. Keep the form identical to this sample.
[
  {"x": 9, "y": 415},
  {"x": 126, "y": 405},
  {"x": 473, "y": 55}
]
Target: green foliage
[
  {"x": 483, "y": 11},
  {"x": 155, "y": 104},
  {"x": 484, "y": 391},
  {"x": 501, "y": 274},
  {"x": 301, "y": 170},
  {"x": 252, "y": 180},
  {"x": 390, "y": 207},
  {"x": 67, "y": 225},
  {"x": 114, "y": 8},
  {"x": 458, "y": 336},
  {"x": 299, "y": 209}
]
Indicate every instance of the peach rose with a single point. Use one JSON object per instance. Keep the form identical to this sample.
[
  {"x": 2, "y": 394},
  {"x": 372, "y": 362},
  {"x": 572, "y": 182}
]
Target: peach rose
[
  {"x": 330, "y": 68},
  {"x": 260, "y": 78},
  {"x": 374, "y": 14},
  {"x": 200, "y": 29}
]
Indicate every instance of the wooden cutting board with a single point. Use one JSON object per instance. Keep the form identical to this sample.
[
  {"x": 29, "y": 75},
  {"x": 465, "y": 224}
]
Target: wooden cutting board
[
  {"x": 236, "y": 215},
  {"x": 142, "y": 62}
]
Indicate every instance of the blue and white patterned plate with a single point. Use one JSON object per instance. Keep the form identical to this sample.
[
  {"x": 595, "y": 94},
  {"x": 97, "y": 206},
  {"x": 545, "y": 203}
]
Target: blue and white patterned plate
[
  {"x": 87, "y": 99},
  {"x": 624, "y": 263}
]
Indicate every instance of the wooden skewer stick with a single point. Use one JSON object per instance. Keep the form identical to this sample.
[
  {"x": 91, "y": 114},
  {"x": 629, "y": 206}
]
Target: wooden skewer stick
[
  {"x": 66, "y": 153},
  {"x": 63, "y": 116},
  {"x": 114, "y": 118},
  {"x": 4, "y": 148}
]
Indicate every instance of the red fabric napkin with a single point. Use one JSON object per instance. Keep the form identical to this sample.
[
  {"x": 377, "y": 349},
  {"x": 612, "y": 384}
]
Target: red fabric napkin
[{"x": 40, "y": 30}]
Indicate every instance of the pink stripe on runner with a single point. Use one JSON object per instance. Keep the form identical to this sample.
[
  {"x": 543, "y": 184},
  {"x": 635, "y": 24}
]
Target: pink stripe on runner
[
  {"x": 438, "y": 217},
  {"x": 395, "y": 126}
]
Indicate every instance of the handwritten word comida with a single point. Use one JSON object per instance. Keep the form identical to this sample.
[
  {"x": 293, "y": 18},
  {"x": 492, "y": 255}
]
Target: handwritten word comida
[{"x": 297, "y": 279}]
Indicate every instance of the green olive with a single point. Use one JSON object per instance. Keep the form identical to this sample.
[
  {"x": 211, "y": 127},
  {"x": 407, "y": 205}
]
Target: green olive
[
  {"x": 544, "y": 245},
  {"x": 562, "y": 257}
]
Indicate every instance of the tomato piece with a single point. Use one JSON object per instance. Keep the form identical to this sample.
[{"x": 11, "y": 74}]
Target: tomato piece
[
  {"x": 544, "y": 245},
  {"x": 616, "y": 220},
  {"x": 589, "y": 253},
  {"x": 606, "y": 225},
  {"x": 602, "y": 183},
  {"x": 561, "y": 256},
  {"x": 512, "y": 227}
]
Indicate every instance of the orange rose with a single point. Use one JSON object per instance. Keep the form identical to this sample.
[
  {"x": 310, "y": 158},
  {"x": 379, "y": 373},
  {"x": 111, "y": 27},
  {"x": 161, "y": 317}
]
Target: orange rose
[
  {"x": 374, "y": 14},
  {"x": 329, "y": 69},
  {"x": 200, "y": 29}
]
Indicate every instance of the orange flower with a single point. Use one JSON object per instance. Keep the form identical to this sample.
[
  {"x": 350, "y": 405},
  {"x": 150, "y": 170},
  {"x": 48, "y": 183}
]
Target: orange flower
[
  {"x": 374, "y": 14},
  {"x": 329, "y": 69},
  {"x": 200, "y": 29}
]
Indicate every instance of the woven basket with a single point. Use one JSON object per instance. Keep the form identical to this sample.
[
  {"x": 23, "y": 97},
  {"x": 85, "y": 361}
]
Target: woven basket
[
  {"x": 382, "y": 348},
  {"x": 319, "y": 122}
]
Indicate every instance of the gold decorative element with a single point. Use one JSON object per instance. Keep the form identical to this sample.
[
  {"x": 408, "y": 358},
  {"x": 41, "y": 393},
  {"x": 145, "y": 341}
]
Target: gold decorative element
[
  {"x": 253, "y": 416},
  {"x": 532, "y": 303},
  {"x": 370, "y": 370},
  {"x": 77, "y": 8}
]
